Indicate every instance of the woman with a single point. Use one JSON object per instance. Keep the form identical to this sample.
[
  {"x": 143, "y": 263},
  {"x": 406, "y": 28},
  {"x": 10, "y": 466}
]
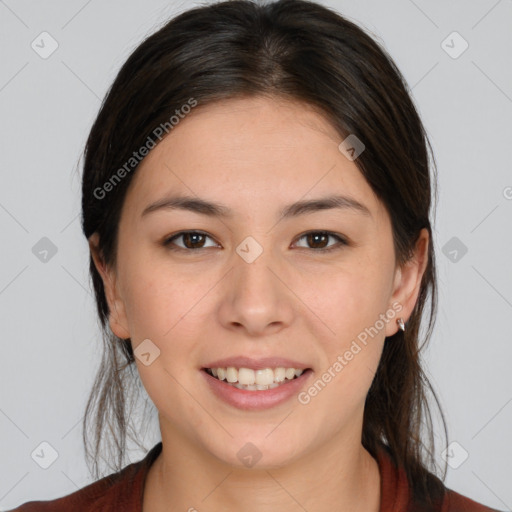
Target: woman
[{"x": 256, "y": 196}]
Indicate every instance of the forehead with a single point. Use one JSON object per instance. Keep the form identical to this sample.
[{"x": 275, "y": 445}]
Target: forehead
[{"x": 249, "y": 152}]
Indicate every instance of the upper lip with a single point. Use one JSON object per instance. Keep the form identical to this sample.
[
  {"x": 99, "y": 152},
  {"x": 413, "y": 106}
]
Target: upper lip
[{"x": 256, "y": 364}]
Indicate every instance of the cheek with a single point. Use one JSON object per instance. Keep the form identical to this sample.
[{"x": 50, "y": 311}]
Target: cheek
[
  {"x": 160, "y": 302},
  {"x": 348, "y": 301},
  {"x": 162, "y": 306},
  {"x": 351, "y": 303}
]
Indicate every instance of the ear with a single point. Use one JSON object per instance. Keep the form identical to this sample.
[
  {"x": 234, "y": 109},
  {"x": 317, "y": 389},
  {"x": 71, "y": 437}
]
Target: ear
[
  {"x": 117, "y": 314},
  {"x": 407, "y": 282}
]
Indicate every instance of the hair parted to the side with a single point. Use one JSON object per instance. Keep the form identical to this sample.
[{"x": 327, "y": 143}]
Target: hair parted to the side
[{"x": 294, "y": 50}]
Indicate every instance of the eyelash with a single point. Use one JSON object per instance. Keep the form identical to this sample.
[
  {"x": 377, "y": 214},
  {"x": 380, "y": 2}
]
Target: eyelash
[{"x": 168, "y": 242}]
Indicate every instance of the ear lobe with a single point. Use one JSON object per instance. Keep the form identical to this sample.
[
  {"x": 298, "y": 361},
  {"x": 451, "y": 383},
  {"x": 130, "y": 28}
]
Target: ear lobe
[
  {"x": 117, "y": 315},
  {"x": 407, "y": 282}
]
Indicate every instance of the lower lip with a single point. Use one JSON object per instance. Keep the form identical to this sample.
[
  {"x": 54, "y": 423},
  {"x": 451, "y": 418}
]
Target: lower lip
[{"x": 256, "y": 400}]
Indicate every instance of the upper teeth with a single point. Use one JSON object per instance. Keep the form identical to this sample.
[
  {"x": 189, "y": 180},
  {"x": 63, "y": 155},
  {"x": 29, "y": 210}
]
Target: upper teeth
[{"x": 247, "y": 376}]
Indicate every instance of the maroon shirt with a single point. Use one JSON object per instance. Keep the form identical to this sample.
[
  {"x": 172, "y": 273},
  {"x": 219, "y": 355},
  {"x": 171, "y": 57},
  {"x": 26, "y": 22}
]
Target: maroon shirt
[{"x": 123, "y": 492}]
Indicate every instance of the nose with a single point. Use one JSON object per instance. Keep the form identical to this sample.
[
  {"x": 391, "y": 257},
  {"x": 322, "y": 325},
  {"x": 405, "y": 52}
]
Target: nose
[{"x": 256, "y": 299}]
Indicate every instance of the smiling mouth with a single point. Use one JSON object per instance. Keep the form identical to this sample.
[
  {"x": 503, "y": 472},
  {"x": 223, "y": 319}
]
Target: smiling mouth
[{"x": 256, "y": 380}]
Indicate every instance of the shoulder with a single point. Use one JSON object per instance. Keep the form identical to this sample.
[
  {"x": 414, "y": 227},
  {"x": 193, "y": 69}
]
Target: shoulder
[
  {"x": 397, "y": 495},
  {"x": 455, "y": 502},
  {"x": 119, "y": 491},
  {"x": 102, "y": 495},
  {"x": 447, "y": 500}
]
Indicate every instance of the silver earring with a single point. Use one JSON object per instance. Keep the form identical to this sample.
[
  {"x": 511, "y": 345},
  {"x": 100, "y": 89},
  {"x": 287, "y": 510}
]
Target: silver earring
[{"x": 400, "y": 322}]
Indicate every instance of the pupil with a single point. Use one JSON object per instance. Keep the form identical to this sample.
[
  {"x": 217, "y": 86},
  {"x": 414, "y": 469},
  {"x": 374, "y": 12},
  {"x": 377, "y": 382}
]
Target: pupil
[
  {"x": 315, "y": 237},
  {"x": 194, "y": 237}
]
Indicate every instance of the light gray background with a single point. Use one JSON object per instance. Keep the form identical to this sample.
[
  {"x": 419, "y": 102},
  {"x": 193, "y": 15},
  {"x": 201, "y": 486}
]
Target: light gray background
[{"x": 50, "y": 338}]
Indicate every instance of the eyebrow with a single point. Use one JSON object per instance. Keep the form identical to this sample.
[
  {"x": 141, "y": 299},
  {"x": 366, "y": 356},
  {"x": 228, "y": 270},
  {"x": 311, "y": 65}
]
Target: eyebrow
[{"x": 212, "y": 209}]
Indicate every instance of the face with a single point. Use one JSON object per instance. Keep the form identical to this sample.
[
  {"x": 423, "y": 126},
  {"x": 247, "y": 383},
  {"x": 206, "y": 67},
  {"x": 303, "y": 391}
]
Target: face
[{"x": 317, "y": 287}]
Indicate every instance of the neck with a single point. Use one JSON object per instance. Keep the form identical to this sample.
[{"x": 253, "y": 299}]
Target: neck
[{"x": 184, "y": 478}]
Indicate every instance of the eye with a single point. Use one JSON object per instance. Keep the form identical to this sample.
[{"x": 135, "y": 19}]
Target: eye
[
  {"x": 191, "y": 239},
  {"x": 194, "y": 240},
  {"x": 316, "y": 238}
]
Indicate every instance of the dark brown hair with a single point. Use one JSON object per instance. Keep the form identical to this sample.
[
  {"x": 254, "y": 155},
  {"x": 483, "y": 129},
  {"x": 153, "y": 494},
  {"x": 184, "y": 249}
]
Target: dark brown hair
[{"x": 301, "y": 51}]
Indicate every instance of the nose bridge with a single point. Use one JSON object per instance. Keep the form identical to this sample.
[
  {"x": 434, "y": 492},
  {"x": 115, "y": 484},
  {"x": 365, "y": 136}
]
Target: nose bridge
[
  {"x": 252, "y": 273},
  {"x": 255, "y": 296}
]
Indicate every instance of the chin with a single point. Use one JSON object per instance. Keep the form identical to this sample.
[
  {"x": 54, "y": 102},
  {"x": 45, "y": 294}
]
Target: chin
[{"x": 256, "y": 452}]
